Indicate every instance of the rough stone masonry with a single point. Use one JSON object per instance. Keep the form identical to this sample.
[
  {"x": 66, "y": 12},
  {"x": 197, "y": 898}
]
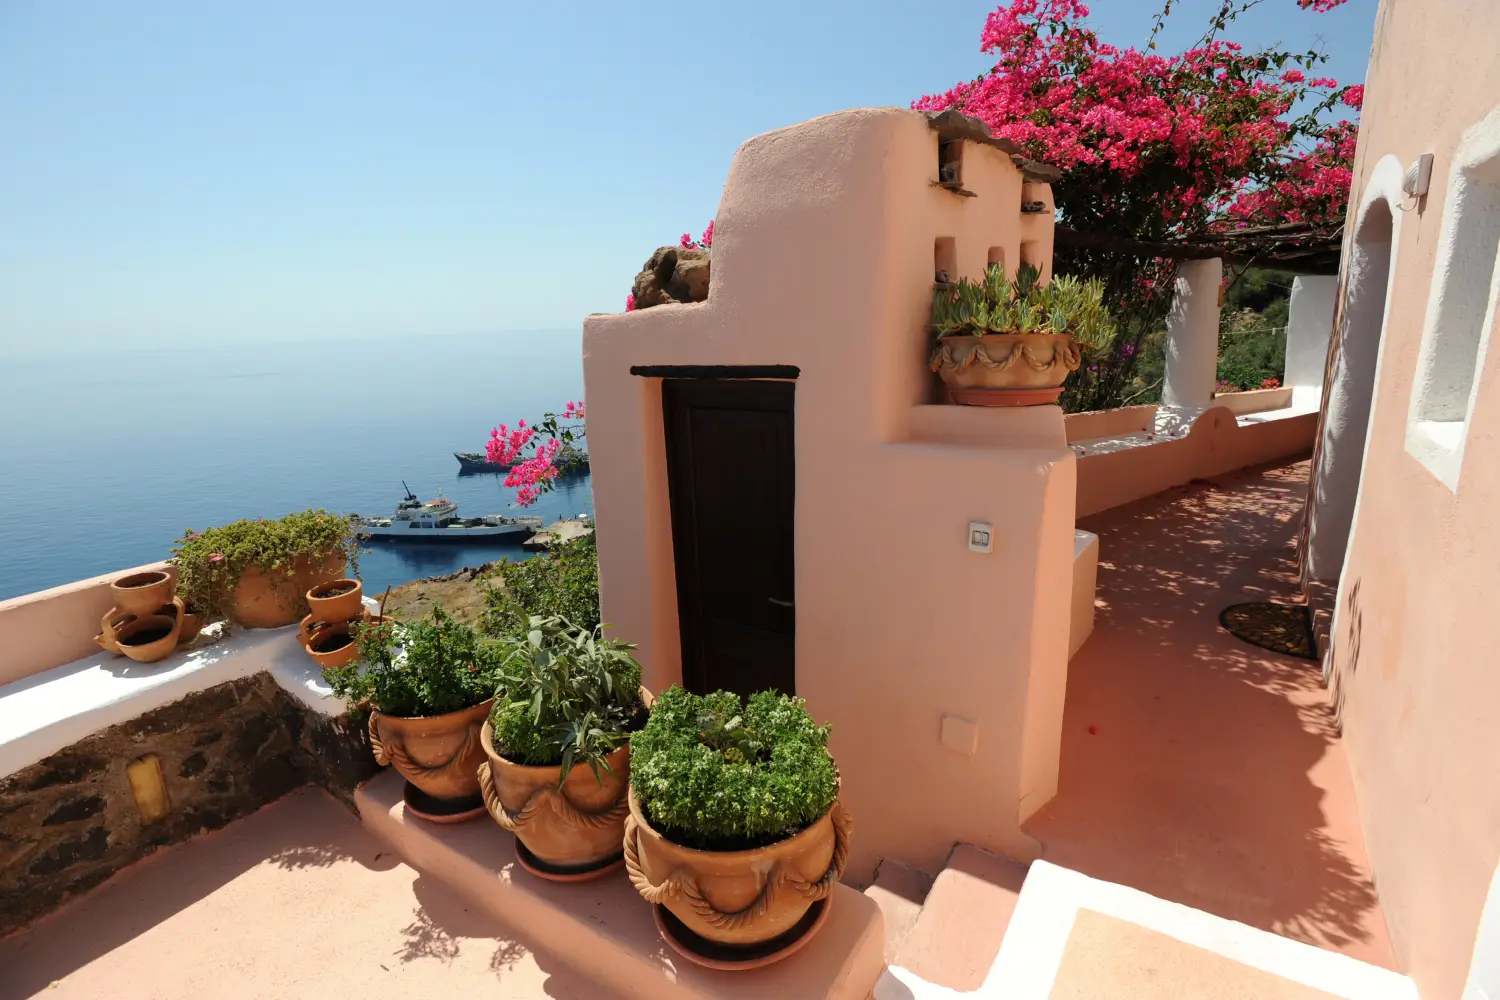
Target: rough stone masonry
[{"x": 70, "y": 821}]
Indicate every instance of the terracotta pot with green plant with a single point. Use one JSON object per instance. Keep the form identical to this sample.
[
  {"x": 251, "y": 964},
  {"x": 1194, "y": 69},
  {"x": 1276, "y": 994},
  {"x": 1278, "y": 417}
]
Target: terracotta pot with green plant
[
  {"x": 428, "y": 686},
  {"x": 558, "y": 746},
  {"x": 735, "y": 828},
  {"x": 257, "y": 573},
  {"x": 1013, "y": 343}
]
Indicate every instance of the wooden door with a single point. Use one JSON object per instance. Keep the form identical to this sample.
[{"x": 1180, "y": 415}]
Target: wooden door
[{"x": 731, "y": 474}]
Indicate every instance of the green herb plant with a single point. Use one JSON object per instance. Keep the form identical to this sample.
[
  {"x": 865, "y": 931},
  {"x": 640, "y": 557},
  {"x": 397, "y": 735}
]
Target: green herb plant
[
  {"x": 565, "y": 696},
  {"x": 717, "y": 774},
  {"x": 430, "y": 666},
  {"x": 996, "y": 304},
  {"x": 563, "y": 582},
  {"x": 210, "y": 562}
]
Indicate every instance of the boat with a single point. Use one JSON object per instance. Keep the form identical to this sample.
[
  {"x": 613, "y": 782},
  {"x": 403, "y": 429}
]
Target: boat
[
  {"x": 437, "y": 520},
  {"x": 569, "y": 461}
]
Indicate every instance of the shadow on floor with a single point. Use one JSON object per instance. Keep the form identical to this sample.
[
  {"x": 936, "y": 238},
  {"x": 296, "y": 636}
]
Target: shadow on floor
[{"x": 1197, "y": 767}]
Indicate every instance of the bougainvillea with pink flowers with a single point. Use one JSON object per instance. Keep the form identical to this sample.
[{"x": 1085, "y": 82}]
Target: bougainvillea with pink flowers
[
  {"x": 1156, "y": 148},
  {"x": 537, "y": 454}
]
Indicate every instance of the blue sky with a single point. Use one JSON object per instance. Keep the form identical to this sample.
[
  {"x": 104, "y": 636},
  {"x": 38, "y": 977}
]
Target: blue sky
[{"x": 175, "y": 173}]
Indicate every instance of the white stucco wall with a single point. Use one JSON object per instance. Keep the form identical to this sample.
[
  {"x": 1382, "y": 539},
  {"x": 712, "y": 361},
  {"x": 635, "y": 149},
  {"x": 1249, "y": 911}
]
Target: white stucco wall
[{"x": 1309, "y": 326}]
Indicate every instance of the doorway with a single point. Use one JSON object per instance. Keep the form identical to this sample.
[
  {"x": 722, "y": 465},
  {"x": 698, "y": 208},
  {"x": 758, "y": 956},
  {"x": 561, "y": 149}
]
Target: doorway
[
  {"x": 1351, "y": 390},
  {"x": 731, "y": 465}
]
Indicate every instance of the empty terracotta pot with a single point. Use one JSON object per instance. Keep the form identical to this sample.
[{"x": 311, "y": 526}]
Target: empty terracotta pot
[
  {"x": 340, "y": 601},
  {"x": 738, "y": 898},
  {"x": 144, "y": 638},
  {"x": 440, "y": 754},
  {"x": 261, "y": 600},
  {"x": 575, "y": 828},
  {"x": 142, "y": 593}
]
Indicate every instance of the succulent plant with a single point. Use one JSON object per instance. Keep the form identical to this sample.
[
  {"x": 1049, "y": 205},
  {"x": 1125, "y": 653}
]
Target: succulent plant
[{"x": 997, "y": 304}]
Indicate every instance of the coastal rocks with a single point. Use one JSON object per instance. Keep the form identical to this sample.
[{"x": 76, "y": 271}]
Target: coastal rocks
[
  {"x": 673, "y": 274},
  {"x": 69, "y": 821}
]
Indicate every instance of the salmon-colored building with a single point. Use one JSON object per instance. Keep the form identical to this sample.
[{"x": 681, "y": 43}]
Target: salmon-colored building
[{"x": 1069, "y": 774}]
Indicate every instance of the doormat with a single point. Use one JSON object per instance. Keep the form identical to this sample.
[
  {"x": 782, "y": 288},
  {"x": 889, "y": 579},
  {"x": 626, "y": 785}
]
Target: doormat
[{"x": 1281, "y": 628}]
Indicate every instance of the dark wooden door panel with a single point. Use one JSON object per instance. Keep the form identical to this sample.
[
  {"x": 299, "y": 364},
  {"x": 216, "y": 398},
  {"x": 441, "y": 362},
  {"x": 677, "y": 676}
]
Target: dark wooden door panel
[{"x": 731, "y": 471}]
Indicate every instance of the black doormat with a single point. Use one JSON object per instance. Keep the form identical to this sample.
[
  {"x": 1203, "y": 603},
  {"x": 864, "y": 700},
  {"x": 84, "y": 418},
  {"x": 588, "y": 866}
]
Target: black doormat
[{"x": 1281, "y": 628}]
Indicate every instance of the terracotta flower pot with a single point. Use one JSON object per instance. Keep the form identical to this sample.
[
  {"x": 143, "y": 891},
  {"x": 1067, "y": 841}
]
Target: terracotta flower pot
[
  {"x": 1005, "y": 361},
  {"x": 439, "y": 754},
  {"x": 343, "y": 606},
  {"x": 142, "y": 593},
  {"x": 144, "y": 638},
  {"x": 738, "y": 898},
  {"x": 575, "y": 829},
  {"x": 261, "y": 600},
  {"x": 330, "y": 644}
]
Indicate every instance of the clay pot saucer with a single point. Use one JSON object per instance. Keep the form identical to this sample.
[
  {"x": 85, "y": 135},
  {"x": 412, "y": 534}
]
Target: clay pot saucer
[
  {"x": 142, "y": 593},
  {"x": 565, "y": 873},
  {"x": 731, "y": 958},
  {"x": 436, "y": 810}
]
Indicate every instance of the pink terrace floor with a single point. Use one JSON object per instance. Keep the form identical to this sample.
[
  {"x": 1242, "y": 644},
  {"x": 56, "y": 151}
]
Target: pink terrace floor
[
  {"x": 295, "y": 901},
  {"x": 1195, "y": 766}
]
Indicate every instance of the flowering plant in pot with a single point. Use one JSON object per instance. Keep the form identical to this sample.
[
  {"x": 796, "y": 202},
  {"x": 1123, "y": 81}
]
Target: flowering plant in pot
[
  {"x": 428, "y": 685},
  {"x": 557, "y": 746},
  {"x": 256, "y": 572},
  {"x": 735, "y": 827},
  {"x": 1012, "y": 343}
]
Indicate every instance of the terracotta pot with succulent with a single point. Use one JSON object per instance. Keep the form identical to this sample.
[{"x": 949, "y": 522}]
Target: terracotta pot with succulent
[
  {"x": 428, "y": 686},
  {"x": 735, "y": 832},
  {"x": 256, "y": 573},
  {"x": 1013, "y": 343},
  {"x": 558, "y": 746}
]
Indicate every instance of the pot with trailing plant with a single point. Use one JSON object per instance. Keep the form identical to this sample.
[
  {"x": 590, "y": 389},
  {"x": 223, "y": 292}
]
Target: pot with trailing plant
[
  {"x": 1013, "y": 343},
  {"x": 735, "y": 833},
  {"x": 257, "y": 572},
  {"x": 558, "y": 746},
  {"x": 428, "y": 685}
]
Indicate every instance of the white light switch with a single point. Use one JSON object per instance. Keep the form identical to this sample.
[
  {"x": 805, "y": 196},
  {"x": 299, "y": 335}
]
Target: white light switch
[{"x": 981, "y": 536}]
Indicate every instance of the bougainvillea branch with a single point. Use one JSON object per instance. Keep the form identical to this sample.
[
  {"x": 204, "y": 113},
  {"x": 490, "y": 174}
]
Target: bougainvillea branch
[
  {"x": 1157, "y": 148},
  {"x": 538, "y": 454}
]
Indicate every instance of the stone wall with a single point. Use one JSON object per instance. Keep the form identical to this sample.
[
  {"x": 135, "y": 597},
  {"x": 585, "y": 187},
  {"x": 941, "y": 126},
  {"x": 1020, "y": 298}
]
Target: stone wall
[{"x": 70, "y": 821}]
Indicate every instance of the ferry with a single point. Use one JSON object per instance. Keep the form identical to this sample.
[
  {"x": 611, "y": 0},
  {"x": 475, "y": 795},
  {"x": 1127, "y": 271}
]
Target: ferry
[
  {"x": 437, "y": 520},
  {"x": 569, "y": 461}
]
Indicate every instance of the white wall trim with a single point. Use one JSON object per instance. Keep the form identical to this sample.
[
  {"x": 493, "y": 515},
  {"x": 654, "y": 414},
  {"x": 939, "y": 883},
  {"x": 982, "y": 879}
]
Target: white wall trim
[
  {"x": 1384, "y": 184},
  {"x": 43, "y": 713},
  {"x": 1435, "y": 435}
]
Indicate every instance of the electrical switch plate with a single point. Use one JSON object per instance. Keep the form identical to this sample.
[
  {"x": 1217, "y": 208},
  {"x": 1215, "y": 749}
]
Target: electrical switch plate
[{"x": 981, "y": 536}]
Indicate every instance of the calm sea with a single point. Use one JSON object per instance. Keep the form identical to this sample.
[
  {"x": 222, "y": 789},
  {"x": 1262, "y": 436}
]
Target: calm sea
[{"x": 105, "y": 458}]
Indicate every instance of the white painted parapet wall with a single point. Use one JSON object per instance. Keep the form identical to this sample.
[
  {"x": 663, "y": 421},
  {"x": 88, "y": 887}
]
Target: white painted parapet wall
[
  {"x": 45, "y": 712},
  {"x": 1193, "y": 334}
]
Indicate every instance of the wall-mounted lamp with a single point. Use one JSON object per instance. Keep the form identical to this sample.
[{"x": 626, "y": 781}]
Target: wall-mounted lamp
[{"x": 1418, "y": 176}]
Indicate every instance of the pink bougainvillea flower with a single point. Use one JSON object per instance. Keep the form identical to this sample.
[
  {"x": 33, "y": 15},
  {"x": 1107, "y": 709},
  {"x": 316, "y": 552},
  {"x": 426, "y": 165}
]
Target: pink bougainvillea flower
[
  {"x": 217, "y": 557},
  {"x": 630, "y": 302},
  {"x": 1354, "y": 96}
]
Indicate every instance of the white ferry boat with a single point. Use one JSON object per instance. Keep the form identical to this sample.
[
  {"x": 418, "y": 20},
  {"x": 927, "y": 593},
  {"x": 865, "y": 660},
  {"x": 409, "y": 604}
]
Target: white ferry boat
[{"x": 437, "y": 520}]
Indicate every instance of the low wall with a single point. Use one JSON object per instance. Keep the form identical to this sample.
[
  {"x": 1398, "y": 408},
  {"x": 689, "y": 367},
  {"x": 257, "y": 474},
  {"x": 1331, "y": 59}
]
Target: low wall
[
  {"x": 1254, "y": 400},
  {"x": 70, "y": 820},
  {"x": 1109, "y": 423},
  {"x": 1215, "y": 444},
  {"x": 51, "y": 627}
]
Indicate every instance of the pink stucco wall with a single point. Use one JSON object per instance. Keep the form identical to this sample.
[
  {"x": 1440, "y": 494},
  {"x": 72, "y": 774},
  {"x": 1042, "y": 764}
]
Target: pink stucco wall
[
  {"x": 51, "y": 627},
  {"x": 1413, "y": 660},
  {"x": 824, "y": 259}
]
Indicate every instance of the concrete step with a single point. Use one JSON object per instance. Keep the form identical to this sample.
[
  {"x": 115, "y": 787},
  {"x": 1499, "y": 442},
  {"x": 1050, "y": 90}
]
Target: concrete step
[
  {"x": 958, "y": 933},
  {"x": 603, "y": 929},
  {"x": 899, "y": 890}
]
